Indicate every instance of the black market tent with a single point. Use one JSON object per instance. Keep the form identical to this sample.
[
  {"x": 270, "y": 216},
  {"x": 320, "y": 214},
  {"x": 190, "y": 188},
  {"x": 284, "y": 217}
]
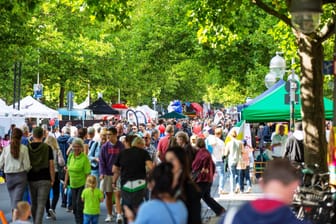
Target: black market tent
[
  {"x": 175, "y": 115},
  {"x": 272, "y": 107},
  {"x": 101, "y": 107}
]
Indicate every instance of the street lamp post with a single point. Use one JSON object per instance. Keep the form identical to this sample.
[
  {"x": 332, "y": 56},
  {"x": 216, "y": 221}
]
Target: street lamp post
[
  {"x": 293, "y": 80},
  {"x": 277, "y": 71}
]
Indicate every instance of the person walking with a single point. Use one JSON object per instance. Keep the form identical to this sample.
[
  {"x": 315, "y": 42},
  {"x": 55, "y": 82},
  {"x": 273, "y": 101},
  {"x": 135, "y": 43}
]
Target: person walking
[
  {"x": 244, "y": 171},
  {"x": 78, "y": 168},
  {"x": 184, "y": 188},
  {"x": 163, "y": 206},
  {"x": 233, "y": 151},
  {"x": 15, "y": 162},
  {"x": 279, "y": 140},
  {"x": 204, "y": 168},
  {"x": 294, "y": 149},
  {"x": 91, "y": 196},
  {"x": 131, "y": 166},
  {"x": 41, "y": 175},
  {"x": 59, "y": 166},
  {"x": 108, "y": 155},
  {"x": 94, "y": 151}
]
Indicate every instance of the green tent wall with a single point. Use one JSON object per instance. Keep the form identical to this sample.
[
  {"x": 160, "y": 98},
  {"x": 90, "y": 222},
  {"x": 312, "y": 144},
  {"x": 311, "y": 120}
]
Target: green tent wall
[{"x": 272, "y": 107}]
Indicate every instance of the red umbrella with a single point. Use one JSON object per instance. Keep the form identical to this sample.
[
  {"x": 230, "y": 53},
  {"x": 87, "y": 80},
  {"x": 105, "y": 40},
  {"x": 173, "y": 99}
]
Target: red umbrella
[
  {"x": 198, "y": 108},
  {"x": 119, "y": 106}
]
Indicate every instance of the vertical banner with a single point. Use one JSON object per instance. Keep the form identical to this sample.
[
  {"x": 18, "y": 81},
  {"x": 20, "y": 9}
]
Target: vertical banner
[{"x": 38, "y": 91}]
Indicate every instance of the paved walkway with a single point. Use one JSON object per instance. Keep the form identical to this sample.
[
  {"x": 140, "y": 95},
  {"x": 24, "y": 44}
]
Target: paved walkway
[{"x": 227, "y": 201}]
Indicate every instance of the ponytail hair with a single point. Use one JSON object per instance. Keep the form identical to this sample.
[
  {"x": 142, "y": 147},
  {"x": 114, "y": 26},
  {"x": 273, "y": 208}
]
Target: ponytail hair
[{"x": 16, "y": 142}]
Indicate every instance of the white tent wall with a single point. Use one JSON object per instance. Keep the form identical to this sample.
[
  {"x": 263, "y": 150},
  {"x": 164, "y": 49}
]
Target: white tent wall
[{"x": 5, "y": 123}]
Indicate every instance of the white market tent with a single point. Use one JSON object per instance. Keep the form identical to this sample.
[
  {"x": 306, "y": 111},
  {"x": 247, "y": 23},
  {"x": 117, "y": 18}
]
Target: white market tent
[
  {"x": 8, "y": 111},
  {"x": 149, "y": 113},
  {"x": 33, "y": 108},
  {"x": 9, "y": 116}
]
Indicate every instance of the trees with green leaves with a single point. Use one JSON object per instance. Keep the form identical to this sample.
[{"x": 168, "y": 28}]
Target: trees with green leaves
[{"x": 219, "y": 16}]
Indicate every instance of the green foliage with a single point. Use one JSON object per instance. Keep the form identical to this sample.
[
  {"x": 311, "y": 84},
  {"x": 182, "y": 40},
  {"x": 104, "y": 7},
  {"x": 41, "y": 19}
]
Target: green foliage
[{"x": 217, "y": 51}]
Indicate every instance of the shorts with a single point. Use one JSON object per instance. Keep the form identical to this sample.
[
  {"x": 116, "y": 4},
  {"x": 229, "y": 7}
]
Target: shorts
[{"x": 106, "y": 184}]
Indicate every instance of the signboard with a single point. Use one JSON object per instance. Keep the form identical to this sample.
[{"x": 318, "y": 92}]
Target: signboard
[
  {"x": 38, "y": 91},
  {"x": 327, "y": 68}
]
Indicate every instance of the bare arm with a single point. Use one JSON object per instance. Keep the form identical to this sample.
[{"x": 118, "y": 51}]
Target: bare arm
[
  {"x": 116, "y": 173},
  {"x": 149, "y": 165},
  {"x": 52, "y": 171}
]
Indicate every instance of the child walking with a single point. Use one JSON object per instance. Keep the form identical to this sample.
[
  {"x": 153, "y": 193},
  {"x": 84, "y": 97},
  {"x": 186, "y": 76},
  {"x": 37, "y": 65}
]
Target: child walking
[{"x": 91, "y": 196}]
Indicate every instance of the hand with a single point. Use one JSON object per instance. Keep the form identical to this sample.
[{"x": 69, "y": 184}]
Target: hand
[{"x": 128, "y": 214}]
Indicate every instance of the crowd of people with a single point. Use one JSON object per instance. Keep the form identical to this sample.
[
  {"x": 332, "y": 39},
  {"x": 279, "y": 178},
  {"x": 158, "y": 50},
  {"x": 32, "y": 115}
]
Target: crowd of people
[{"x": 165, "y": 167}]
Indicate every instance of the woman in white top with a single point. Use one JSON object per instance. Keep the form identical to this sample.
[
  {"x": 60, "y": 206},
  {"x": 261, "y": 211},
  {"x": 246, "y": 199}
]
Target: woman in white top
[
  {"x": 233, "y": 150},
  {"x": 15, "y": 161}
]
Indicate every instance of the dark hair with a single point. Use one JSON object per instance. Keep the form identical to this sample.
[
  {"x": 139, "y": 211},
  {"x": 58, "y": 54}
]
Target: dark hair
[
  {"x": 16, "y": 142},
  {"x": 162, "y": 175},
  {"x": 172, "y": 141},
  {"x": 81, "y": 133},
  {"x": 38, "y": 132},
  {"x": 281, "y": 170},
  {"x": 185, "y": 176},
  {"x": 200, "y": 143},
  {"x": 129, "y": 139},
  {"x": 113, "y": 130}
]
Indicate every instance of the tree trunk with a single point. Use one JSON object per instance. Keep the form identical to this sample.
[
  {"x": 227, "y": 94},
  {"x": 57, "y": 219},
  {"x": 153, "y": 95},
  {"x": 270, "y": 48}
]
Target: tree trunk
[
  {"x": 61, "y": 96},
  {"x": 313, "y": 116}
]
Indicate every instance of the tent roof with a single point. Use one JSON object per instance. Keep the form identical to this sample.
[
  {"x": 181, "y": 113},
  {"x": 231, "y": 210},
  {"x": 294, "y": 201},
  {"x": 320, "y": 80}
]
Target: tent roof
[
  {"x": 175, "y": 115},
  {"x": 271, "y": 106},
  {"x": 101, "y": 107},
  {"x": 33, "y": 108},
  {"x": 119, "y": 106}
]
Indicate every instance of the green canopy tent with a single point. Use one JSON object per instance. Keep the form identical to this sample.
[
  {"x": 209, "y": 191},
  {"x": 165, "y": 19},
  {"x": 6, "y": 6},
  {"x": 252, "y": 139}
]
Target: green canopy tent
[
  {"x": 175, "y": 115},
  {"x": 272, "y": 107}
]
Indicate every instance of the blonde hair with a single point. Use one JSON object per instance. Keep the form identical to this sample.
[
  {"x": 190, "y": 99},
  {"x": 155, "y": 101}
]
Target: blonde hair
[
  {"x": 52, "y": 142},
  {"x": 91, "y": 182},
  {"x": 22, "y": 208},
  {"x": 138, "y": 142}
]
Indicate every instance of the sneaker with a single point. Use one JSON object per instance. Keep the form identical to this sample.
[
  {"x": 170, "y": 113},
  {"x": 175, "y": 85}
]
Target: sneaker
[
  {"x": 249, "y": 190},
  {"x": 222, "y": 192},
  {"x": 108, "y": 218},
  {"x": 119, "y": 219},
  {"x": 52, "y": 214},
  {"x": 69, "y": 209},
  {"x": 237, "y": 190},
  {"x": 48, "y": 217}
]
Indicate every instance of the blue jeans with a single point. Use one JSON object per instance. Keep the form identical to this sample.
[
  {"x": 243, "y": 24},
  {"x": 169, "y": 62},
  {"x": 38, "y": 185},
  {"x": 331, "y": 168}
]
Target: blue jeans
[
  {"x": 233, "y": 176},
  {"x": 244, "y": 174},
  {"x": 221, "y": 174},
  {"x": 90, "y": 219}
]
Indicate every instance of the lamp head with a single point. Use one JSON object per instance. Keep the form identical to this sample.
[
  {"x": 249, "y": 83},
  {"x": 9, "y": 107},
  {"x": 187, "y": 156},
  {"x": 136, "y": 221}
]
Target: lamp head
[
  {"x": 278, "y": 66},
  {"x": 306, "y": 14},
  {"x": 270, "y": 80}
]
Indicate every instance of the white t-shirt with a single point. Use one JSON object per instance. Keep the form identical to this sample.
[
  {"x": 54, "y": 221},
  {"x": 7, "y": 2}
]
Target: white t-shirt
[{"x": 278, "y": 151}]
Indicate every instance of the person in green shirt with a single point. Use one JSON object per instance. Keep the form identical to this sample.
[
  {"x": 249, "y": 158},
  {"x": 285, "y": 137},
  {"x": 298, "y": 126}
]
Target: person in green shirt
[
  {"x": 91, "y": 196},
  {"x": 78, "y": 168}
]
